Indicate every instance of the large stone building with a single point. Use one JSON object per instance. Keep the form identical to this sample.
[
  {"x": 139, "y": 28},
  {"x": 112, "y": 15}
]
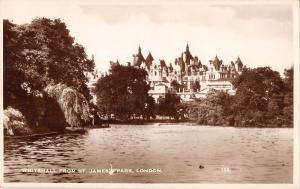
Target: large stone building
[{"x": 187, "y": 76}]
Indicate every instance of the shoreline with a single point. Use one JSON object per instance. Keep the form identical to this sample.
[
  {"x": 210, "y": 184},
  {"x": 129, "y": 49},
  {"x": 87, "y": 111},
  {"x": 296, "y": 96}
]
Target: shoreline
[
  {"x": 143, "y": 122},
  {"x": 193, "y": 124},
  {"x": 137, "y": 122},
  {"x": 187, "y": 121}
]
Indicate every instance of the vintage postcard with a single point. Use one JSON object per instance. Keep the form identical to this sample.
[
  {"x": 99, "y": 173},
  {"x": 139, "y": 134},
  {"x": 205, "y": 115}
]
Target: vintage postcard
[{"x": 150, "y": 94}]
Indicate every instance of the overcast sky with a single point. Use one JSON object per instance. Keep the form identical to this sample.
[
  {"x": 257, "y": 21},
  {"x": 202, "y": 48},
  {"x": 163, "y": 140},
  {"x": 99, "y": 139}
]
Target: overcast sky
[{"x": 261, "y": 34}]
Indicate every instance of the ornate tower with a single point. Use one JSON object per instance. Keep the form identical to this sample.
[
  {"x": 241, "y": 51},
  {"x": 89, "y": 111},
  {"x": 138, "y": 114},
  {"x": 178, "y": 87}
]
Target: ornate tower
[
  {"x": 239, "y": 64},
  {"x": 138, "y": 58}
]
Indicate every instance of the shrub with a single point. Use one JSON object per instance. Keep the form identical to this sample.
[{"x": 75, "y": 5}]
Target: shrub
[{"x": 15, "y": 123}]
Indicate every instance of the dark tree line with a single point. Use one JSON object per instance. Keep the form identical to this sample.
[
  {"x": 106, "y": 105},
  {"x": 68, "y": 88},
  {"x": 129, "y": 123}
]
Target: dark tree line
[{"x": 35, "y": 55}]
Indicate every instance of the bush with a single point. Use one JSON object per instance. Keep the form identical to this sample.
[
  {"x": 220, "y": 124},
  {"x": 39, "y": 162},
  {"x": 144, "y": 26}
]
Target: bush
[{"x": 15, "y": 123}]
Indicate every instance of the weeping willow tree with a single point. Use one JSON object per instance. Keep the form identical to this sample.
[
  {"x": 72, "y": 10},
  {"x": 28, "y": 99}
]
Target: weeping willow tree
[{"x": 72, "y": 103}]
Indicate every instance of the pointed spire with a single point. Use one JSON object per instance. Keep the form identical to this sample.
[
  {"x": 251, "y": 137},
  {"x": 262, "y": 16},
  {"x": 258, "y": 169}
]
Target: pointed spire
[
  {"x": 187, "y": 47},
  {"x": 238, "y": 60},
  {"x": 138, "y": 58},
  {"x": 239, "y": 64},
  {"x": 149, "y": 57},
  {"x": 149, "y": 60}
]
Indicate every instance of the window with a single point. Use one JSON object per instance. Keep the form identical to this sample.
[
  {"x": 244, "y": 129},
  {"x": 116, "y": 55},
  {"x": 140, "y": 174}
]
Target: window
[{"x": 155, "y": 73}]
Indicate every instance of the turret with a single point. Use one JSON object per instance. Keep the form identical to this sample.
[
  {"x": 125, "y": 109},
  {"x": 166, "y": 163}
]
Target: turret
[
  {"x": 138, "y": 58},
  {"x": 239, "y": 64},
  {"x": 216, "y": 62}
]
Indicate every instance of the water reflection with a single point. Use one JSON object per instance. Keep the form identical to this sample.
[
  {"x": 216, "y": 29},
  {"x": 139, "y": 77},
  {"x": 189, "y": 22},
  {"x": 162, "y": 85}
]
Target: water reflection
[{"x": 229, "y": 155}]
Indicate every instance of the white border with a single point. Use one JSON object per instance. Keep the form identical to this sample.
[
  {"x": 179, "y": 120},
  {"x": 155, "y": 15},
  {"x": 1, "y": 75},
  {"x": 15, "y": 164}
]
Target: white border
[{"x": 295, "y": 185}]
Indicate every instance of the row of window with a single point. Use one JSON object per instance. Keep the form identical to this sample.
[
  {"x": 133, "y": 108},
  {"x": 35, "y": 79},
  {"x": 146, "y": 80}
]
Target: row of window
[{"x": 211, "y": 76}]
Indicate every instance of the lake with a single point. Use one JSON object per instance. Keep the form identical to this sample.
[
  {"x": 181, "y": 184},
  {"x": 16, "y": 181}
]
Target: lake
[{"x": 155, "y": 153}]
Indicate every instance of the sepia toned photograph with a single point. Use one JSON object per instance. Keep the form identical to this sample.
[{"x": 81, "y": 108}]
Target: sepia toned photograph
[{"x": 138, "y": 93}]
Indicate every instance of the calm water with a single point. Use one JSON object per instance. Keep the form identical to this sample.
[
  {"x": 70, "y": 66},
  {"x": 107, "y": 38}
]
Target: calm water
[{"x": 229, "y": 155}]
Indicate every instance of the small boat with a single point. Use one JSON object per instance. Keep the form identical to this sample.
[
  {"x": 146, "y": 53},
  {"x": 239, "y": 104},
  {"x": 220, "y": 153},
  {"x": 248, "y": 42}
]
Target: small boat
[
  {"x": 74, "y": 130},
  {"x": 100, "y": 126}
]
